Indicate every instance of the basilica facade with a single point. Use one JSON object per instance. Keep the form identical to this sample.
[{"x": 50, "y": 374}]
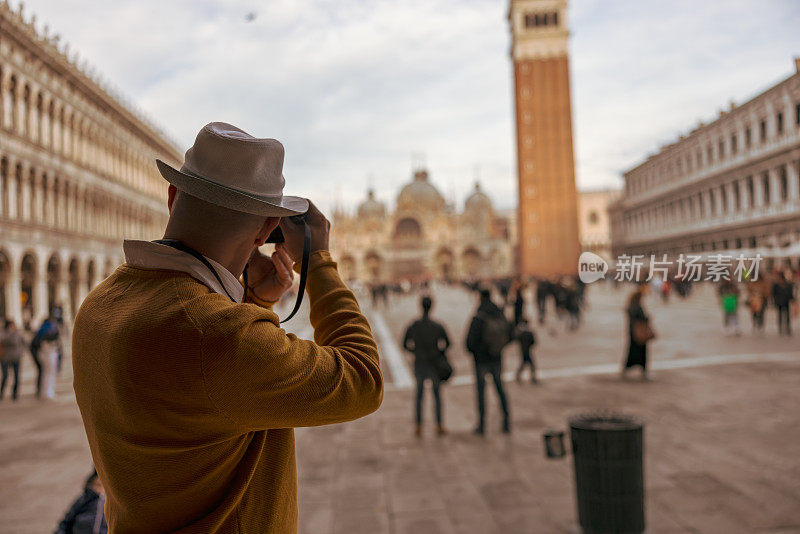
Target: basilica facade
[
  {"x": 77, "y": 174},
  {"x": 424, "y": 237}
]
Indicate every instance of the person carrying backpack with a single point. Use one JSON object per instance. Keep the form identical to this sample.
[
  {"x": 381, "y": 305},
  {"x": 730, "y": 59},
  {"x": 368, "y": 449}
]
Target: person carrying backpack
[{"x": 489, "y": 332}]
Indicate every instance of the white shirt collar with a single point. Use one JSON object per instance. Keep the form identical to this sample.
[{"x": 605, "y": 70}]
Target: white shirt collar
[{"x": 149, "y": 255}]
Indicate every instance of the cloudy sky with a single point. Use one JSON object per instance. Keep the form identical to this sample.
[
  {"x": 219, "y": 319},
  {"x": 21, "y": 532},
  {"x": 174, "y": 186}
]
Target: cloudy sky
[{"x": 359, "y": 90}]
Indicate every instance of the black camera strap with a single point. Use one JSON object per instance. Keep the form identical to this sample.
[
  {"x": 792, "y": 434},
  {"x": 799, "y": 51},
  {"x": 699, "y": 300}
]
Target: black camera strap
[
  {"x": 174, "y": 243},
  {"x": 301, "y": 289}
]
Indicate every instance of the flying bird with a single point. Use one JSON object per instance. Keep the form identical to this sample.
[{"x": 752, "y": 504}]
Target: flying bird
[{"x": 250, "y": 17}]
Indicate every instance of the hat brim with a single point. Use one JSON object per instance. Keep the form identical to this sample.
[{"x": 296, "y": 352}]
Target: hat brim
[{"x": 231, "y": 198}]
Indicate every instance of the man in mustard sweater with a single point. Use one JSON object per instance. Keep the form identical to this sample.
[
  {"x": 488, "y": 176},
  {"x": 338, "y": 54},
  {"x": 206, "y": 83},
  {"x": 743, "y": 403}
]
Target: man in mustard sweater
[{"x": 188, "y": 394}]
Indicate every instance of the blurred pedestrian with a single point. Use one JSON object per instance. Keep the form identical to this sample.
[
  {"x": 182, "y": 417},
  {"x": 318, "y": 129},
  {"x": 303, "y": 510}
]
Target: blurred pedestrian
[
  {"x": 729, "y": 299},
  {"x": 85, "y": 516},
  {"x": 12, "y": 346},
  {"x": 758, "y": 292},
  {"x": 640, "y": 333},
  {"x": 783, "y": 296},
  {"x": 519, "y": 302},
  {"x": 542, "y": 291},
  {"x": 527, "y": 340},
  {"x": 666, "y": 289},
  {"x": 49, "y": 345},
  {"x": 572, "y": 304},
  {"x": 428, "y": 340},
  {"x": 489, "y": 332}
]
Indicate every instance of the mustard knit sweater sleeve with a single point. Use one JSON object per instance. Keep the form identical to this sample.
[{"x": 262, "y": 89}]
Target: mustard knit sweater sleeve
[{"x": 258, "y": 377}]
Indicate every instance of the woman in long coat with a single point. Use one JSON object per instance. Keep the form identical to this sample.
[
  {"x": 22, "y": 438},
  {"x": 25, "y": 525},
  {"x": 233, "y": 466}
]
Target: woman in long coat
[{"x": 637, "y": 348}]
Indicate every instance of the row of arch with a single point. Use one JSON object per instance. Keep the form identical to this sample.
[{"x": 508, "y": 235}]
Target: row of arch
[
  {"x": 34, "y": 195},
  {"x": 33, "y": 282},
  {"x": 375, "y": 266},
  {"x": 39, "y": 116}
]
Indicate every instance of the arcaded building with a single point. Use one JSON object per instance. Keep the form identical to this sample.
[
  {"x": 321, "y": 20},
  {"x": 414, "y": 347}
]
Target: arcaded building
[
  {"x": 423, "y": 237},
  {"x": 729, "y": 186},
  {"x": 547, "y": 217},
  {"x": 77, "y": 174}
]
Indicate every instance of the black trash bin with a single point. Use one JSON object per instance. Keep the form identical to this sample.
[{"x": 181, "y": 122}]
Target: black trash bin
[{"x": 609, "y": 474}]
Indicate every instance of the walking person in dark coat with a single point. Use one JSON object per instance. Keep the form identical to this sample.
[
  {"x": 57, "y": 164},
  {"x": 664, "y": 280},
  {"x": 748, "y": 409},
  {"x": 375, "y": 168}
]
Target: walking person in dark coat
[
  {"x": 637, "y": 347},
  {"x": 519, "y": 302},
  {"x": 86, "y": 514},
  {"x": 782, "y": 296},
  {"x": 488, "y": 333},
  {"x": 527, "y": 340},
  {"x": 13, "y": 346},
  {"x": 428, "y": 340},
  {"x": 542, "y": 291}
]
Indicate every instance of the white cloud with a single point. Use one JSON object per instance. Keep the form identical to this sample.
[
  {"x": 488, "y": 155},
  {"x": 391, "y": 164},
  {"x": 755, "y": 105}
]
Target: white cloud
[{"x": 354, "y": 88}]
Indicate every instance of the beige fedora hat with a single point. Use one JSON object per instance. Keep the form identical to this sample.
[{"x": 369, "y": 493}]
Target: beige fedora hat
[{"x": 228, "y": 167}]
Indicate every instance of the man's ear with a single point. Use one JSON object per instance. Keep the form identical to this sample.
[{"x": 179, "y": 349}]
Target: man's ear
[
  {"x": 171, "y": 192},
  {"x": 269, "y": 225}
]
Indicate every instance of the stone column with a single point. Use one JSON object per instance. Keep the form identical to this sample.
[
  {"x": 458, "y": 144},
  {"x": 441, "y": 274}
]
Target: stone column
[
  {"x": 50, "y": 205},
  {"x": 33, "y": 114},
  {"x": 14, "y": 291},
  {"x": 774, "y": 186},
  {"x": 41, "y": 305},
  {"x": 37, "y": 186},
  {"x": 708, "y": 210},
  {"x": 743, "y": 195},
  {"x": 44, "y": 134},
  {"x": 66, "y": 136},
  {"x": 11, "y": 189},
  {"x": 793, "y": 177},
  {"x": 61, "y": 204},
  {"x": 55, "y": 128},
  {"x": 758, "y": 190},
  {"x": 25, "y": 194},
  {"x": 19, "y": 95},
  {"x": 5, "y": 100}
]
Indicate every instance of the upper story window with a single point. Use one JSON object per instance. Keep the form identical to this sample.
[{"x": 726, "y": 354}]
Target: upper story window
[
  {"x": 751, "y": 191},
  {"x": 535, "y": 20},
  {"x": 765, "y": 182},
  {"x": 734, "y": 144},
  {"x": 763, "y": 129},
  {"x": 797, "y": 114},
  {"x": 748, "y": 138},
  {"x": 709, "y": 154},
  {"x": 779, "y": 122},
  {"x": 721, "y": 152}
]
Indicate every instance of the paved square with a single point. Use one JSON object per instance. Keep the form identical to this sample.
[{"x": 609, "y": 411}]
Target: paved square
[{"x": 722, "y": 445}]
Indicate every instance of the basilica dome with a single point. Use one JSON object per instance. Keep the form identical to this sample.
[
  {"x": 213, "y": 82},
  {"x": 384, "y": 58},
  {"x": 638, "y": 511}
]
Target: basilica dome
[
  {"x": 371, "y": 208},
  {"x": 421, "y": 195},
  {"x": 478, "y": 202}
]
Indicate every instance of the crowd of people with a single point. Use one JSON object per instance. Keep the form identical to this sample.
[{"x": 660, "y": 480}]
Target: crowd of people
[
  {"x": 45, "y": 348},
  {"x": 495, "y": 325}
]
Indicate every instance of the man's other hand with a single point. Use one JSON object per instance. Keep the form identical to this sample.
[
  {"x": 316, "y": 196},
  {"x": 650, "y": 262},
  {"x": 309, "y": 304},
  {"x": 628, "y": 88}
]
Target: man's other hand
[
  {"x": 269, "y": 277},
  {"x": 293, "y": 233}
]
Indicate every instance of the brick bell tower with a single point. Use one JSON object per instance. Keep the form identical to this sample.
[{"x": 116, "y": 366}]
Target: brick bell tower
[{"x": 548, "y": 201}]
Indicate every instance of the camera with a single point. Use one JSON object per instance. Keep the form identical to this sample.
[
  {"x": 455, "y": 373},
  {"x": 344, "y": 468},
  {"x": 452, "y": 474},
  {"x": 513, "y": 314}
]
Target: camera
[{"x": 277, "y": 235}]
